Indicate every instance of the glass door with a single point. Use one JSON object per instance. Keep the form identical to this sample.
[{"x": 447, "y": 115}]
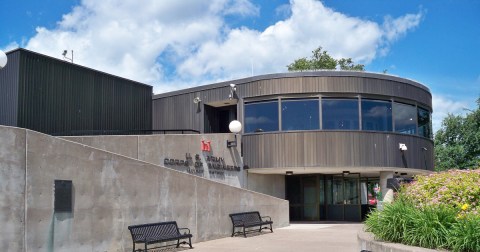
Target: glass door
[
  {"x": 343, "y": 197},
  {"x": 335, "y": 199},
  {"x": 352, "y": 206},
  {"x": 310, "y": 205}
]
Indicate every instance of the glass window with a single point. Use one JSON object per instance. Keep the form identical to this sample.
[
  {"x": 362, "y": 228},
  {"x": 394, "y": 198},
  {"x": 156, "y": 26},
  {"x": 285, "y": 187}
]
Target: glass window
[
  {"x": 261, "y": 116},
  {"x": 300, "y": 115},
  {"x": 376, "y": 115},
  {"x": 404, "y": 117},
  {"x": 340, "y": 114},
  {"x": 424, "y": 123}
]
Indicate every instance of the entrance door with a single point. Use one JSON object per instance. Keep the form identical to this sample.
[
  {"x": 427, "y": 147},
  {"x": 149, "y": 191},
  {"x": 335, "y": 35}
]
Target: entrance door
[
  {"x": 216, "y": 119},
  {"x": 310, "y": 204},
  {"x": 324, "y": 197},
  {"x": 351, "y": 194},
  {"x": 343, "y": 197},
  {"x": 335, "y": 198}
]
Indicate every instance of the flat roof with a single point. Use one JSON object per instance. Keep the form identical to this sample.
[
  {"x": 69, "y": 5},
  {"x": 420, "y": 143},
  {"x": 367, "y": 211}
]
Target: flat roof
[
  {"x": 75, "y": 65},
  {"x": 320, "y": 73}
]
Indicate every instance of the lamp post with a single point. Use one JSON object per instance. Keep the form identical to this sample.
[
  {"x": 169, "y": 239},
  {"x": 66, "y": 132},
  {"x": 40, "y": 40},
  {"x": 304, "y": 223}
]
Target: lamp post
[
  {"x": 3, "y": 59},
  {"x": 234, "y": 127}
]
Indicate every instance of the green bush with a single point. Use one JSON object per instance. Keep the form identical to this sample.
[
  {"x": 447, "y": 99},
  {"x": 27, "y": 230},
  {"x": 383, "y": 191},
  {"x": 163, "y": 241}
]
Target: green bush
[
  {"x": 465, "y": 234},
  {"x": 392, "y": 223},
  {"x": 430, "y": 227},
  {"x": 402, "y": 222},
  {"x": 437, "y": 211},
  {"x": 453, "y": 188}
]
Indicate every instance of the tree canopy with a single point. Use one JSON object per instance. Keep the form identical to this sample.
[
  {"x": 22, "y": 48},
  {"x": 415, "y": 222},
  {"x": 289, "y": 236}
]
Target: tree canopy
[
  {"x": 457, "y": 142},
  {"x": 322, "y": 60}
]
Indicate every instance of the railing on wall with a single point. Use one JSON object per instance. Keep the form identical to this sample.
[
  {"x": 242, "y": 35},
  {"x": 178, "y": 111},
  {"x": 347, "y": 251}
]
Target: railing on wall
[{"x": 125, "y": 132}]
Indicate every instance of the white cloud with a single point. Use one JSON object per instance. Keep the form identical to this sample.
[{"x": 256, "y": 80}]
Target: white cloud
[
  {"x": 395, "y": 28},
  {"x": 174, "y": 44},
  {"x": 243, "y": 8},
  {"x": 311, "y": 24},
  {"x": 442, "y": 106},
  {"x": 10, "y": 46}
]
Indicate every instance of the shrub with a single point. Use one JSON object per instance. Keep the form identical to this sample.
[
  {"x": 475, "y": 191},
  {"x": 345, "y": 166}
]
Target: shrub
[
  {"x": 465, "y": 234},
  {"x": 393, "y": 222},
  {"x": 402, "y": 222},
  {"x": 437, "y": 211},
  {"x": 454, "y": 188},
  {"x": 430, "y": 227}
]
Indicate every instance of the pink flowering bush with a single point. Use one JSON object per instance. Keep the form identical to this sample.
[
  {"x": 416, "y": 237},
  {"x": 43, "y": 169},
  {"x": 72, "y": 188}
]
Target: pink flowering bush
[
  {"x": 439, "y": 211},
  {"x": 459, "y": 189}
]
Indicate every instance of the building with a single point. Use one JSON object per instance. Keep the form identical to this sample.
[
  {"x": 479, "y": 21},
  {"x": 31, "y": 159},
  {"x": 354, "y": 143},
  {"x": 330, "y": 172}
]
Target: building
[
  {"x": 322, "y": 140},
  {"x": 57, "y": 97}
]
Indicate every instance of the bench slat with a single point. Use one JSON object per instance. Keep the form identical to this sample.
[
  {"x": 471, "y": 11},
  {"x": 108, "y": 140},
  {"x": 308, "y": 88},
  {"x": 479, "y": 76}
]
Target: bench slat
[
  {"x": 248, "y": 220},
  {"x": 157, "y": 232}
]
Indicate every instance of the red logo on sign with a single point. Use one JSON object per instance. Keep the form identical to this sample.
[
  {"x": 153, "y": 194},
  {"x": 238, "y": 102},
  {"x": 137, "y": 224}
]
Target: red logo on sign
[{"x": 206, "y": 146}]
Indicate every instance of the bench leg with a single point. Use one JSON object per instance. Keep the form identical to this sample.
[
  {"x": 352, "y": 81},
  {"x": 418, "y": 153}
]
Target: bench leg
[
  {"x": 133, "y": 250},
  {"x": 190, "y": 242},
  {"x": 178, "y": 243},
  {"x": 260, "y": 230},
  {"x": 233, "y": 231},
  {"x": 145, "y": 247},
  {"x": 271, "y": 229},
  {"x": 244, "y": 234}
]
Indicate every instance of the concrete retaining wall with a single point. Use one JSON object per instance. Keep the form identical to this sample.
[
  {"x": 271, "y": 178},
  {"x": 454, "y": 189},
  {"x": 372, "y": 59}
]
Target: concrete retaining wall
[
  {"x": 110, "y": 192},
  {"x": 270, "y": 184},
  {"x": 155, "y": 148}
]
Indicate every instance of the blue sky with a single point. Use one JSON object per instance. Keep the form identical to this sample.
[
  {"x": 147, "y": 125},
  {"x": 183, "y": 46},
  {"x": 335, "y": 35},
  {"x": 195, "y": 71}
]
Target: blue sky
[{"x": 177, "y": 44}]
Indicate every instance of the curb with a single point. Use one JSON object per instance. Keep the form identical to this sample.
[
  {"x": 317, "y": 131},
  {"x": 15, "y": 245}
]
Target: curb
[{"x": 367, "y": 243}]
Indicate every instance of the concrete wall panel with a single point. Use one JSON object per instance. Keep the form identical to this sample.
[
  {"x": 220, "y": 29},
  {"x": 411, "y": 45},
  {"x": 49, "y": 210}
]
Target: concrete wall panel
[
  {"x": 123, "y": 145},
  {"x": 51, "y": 159},
  {"x": 110, "y": 192},
  {"x": 12, "y": 188},
  {"x": 155, "y": 148},
  {"x": 270, "y": 184}
]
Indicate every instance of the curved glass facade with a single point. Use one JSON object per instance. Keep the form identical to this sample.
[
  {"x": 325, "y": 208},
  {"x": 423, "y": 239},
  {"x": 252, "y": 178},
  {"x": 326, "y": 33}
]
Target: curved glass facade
[
  {"x": 337, "y": 114},
  {"x": 424, "y": 123},
  {"x": 261, "y": 116},
  {"x": 300, "y": 114},
  {"x": 376, "y": 115},
  {"x": 404, "y": 118},
  {"x": 340, "y": 114}
]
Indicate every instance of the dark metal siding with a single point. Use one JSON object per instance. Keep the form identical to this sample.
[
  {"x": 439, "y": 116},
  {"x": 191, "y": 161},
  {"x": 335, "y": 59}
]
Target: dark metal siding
[
  {"x": 177, "y": 112},
  {"x": 9, "y": 90},
  {"x": 58, "y": 97},
  {"x": 336, "y": 149}
]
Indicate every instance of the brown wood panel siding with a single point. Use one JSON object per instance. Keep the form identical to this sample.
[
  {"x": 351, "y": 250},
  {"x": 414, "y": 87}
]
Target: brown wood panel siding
[
  {"x": 336, "y": 149},
  {"x": 348, "y": 85},
  {"x": 177, "y": 110},
  {"x": 57, "y": 97},
  {"x": 9, "y": 90}
]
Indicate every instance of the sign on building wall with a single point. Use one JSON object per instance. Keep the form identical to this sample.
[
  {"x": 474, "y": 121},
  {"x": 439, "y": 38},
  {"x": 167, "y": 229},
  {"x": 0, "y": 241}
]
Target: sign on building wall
[{"x": 206, "y": 164}]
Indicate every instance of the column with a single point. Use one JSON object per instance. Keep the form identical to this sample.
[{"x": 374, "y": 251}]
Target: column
[{"x": 386, "y": 193}]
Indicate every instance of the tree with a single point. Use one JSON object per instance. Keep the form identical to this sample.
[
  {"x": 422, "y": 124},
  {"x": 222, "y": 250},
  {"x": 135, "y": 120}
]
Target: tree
[
  {"x": 322, "y": 60},
  {"x": 457, "y": 142},
  {"x": 347, "y": 64}
]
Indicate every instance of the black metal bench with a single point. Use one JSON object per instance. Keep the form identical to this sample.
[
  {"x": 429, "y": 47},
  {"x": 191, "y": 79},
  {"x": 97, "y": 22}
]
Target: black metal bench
[
  {"x": 248, "y": 220},
  {"x": 159, "y": 232}
]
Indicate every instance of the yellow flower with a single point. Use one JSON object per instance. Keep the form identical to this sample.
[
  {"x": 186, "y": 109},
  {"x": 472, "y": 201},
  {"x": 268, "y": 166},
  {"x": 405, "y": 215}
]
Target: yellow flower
[{"x": 465, "y": 207}]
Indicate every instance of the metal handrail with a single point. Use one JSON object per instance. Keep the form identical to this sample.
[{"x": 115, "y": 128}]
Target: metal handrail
[{"x": 125, "y": 132}]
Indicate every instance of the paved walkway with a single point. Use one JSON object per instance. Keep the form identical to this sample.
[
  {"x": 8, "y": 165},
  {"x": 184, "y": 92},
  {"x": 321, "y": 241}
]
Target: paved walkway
[{"x": 297, "y": 237}]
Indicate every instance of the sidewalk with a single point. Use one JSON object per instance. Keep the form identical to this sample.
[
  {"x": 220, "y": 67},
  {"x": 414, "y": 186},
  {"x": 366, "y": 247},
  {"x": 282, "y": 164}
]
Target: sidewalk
[{"x": 296, "y": 237}]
